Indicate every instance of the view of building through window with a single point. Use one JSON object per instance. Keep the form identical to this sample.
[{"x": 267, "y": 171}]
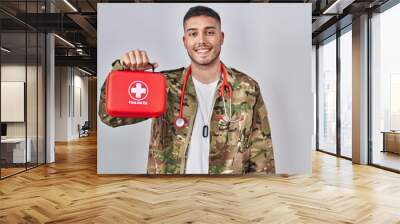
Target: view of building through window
[
  {"x": 327, "y": 96},
  {"x": 386, "y": 88},
  {"x": 346, "y": 94}
]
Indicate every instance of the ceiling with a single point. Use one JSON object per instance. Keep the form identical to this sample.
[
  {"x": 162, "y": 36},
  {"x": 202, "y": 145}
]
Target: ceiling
[{"x": 75, "y": 23}]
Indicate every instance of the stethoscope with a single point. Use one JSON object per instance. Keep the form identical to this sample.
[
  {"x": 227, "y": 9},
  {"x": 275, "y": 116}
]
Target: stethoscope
[{"x": 181, "y": 121}]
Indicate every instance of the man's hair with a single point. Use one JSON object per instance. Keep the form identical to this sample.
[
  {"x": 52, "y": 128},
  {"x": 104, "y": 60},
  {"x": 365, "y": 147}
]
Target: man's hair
[{"x": 201, "y": 11}]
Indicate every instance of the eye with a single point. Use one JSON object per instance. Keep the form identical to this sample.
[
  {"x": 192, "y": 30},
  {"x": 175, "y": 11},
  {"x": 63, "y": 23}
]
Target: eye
[
  {"x": 192, "y": 34},
  {"x": 211, "y": 32}
]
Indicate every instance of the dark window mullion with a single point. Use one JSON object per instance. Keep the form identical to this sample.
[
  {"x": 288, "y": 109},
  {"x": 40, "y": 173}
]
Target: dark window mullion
[
  {"x": 37, "y": 90},
  {"x": 338, "y": 92},
  {"x": 369, "y": 90},
  {"x": 317, "y": 95},
  {"x": 26, "y": 86}
]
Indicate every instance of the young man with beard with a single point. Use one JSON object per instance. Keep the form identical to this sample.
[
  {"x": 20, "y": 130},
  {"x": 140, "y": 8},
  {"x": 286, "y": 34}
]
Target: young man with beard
[{"x": 220, "y": 126}]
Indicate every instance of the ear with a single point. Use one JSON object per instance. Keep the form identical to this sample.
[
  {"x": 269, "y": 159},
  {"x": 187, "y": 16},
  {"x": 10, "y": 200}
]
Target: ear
[
  {"x": 184, "y": 41},
  {"x": 222, "y": 38}
]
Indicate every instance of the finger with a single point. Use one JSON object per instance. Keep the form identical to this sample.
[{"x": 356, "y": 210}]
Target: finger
[
  {"x": 146, "y": 63},
  {"x": 132, "y": 60},
  {"x": 145, "y": 60},
  {"x": 124, "y": 61},
  {"x": 139, "y": 61}
]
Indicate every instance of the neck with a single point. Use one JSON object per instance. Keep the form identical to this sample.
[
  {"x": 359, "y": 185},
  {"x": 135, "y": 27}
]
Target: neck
[{"x": 207, "y": 73}]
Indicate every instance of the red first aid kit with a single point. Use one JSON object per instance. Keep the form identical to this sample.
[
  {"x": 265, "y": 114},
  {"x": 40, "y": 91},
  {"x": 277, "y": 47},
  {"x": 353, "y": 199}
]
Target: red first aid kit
[{"x": 135, "y": 94}]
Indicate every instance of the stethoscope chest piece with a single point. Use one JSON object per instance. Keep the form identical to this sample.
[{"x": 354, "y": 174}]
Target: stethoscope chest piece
[{"x": 180, "y": 122}]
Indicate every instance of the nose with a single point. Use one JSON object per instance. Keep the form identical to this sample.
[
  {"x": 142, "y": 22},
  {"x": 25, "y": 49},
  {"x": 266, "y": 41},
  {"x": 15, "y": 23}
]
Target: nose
[{"x": 202, "y": 38}]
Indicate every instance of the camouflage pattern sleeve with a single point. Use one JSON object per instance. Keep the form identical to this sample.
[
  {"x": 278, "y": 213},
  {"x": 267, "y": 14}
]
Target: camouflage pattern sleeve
[
  {"x": 260, "y": 142},
  {"x": 116, "y": 66},
  {"x": 107, "y": 119}
]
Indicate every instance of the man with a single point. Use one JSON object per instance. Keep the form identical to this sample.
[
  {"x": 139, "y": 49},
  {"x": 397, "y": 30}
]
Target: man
[{"x": 223, "y": 133}]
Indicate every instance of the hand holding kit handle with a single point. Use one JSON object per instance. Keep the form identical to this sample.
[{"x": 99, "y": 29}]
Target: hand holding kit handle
[{"x": 135, "y": 93}]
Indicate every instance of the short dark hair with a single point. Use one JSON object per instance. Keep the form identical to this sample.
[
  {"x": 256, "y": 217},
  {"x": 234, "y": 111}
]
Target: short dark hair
[{"x": 201, "y": 11}]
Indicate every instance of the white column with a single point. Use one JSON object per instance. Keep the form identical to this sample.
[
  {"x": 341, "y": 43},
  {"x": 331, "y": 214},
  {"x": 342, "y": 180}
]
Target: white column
[
  {"x": 50, "y": 110},
  {"x": 50, "y": 92},
  {"x": 360, "y": 90}
]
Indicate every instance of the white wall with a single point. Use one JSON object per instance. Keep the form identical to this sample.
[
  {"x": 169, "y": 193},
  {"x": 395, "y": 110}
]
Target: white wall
[
  {"x": 61, "y": 103},
  {"x": 70, "y": 83},
  {"x": 260, "y": 39},
  {"x": 16, "y": 72},
  {"x": 80, "y": 89}
]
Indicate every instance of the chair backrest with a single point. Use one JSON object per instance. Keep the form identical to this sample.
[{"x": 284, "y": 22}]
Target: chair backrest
[{"x": 86, "y": 125}]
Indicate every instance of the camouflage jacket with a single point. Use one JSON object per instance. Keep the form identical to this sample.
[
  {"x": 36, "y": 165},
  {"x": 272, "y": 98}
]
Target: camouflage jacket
[{"x": 235, "y": 148}]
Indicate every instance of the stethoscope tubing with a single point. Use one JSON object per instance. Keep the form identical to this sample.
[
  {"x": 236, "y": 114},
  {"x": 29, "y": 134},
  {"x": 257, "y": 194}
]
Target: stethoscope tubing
[{"x": 180, "y": 121}]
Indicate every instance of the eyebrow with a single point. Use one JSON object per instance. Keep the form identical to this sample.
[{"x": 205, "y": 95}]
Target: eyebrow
[{"x": 207, "y": 28}]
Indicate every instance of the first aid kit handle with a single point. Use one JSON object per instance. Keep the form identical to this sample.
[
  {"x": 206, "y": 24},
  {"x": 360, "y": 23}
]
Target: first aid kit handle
[{"x": 152, "y": 66}]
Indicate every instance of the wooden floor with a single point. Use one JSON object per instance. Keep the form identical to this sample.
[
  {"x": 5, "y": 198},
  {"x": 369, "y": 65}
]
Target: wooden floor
[
  {"x": 5, "y": 172},
  {"x": 387, "y": 159},
  {"x": 70, "y": 191}
]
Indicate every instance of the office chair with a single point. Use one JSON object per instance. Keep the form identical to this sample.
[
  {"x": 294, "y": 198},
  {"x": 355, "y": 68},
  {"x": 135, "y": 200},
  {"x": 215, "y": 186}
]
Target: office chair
[{"x": 84, "y": 130}]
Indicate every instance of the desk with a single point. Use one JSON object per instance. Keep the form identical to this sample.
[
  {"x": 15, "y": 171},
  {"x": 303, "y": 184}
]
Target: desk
[
  {"x": 15, "y": 148},
  {"x": 391, "y": 141}
]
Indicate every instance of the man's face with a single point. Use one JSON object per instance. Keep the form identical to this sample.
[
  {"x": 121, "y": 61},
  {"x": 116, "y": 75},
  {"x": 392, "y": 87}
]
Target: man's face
[{"x": 203, "y": 39}]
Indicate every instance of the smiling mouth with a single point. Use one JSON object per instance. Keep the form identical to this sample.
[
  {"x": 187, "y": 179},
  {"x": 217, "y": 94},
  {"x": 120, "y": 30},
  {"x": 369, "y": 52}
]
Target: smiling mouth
[{"x": 203, "y": 51}]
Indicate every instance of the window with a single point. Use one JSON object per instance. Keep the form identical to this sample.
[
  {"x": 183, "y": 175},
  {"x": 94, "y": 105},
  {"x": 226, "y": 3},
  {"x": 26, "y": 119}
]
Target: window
[
  {"x": 22, "y": 65},
  {"x": 327, "y": 96},
  {"x": 385, "y": 89},
  {"x": 346, "y": 93}
]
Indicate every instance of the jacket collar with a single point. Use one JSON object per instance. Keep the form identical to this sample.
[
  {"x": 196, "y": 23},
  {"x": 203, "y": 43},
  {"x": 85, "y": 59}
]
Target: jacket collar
[{"x": 190, "y": 90}]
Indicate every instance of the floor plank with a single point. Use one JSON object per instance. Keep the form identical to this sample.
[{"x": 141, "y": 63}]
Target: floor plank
[{"x": 70, "y": 191}]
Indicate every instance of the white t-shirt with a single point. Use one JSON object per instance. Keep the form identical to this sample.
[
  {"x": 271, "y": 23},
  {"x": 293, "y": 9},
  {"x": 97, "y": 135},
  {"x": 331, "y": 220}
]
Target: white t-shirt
[{"x": 199, "y": 148}]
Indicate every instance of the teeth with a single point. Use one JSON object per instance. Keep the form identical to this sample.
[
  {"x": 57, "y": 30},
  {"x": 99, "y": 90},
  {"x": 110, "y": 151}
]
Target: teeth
[{"x": 202, "y": 51}]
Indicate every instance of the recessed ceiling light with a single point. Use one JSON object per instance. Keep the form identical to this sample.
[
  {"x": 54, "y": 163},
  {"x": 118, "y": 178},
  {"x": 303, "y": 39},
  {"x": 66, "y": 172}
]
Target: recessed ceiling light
[
  {"x": 84, "y": 71},
  {"x": 5, "y": 50},
  {"x": 338, "y": 6},
  {"x": 70, "y": 5},
  {"x": 64, "y": 40}
]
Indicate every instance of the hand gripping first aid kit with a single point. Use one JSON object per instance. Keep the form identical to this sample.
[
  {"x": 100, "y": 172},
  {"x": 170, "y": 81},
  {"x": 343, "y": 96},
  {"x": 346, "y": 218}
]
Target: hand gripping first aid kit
[{"x": 135, "y": 94}]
